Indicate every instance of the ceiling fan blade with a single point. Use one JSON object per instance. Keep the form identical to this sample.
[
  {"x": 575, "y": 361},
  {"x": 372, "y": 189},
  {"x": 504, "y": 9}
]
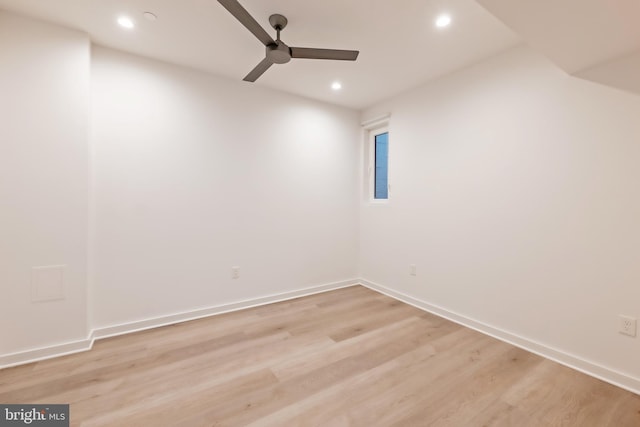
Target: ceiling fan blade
[
  {"x": 258, "y": 71},
  {"x": 241, "y": 14},
  {"x": 311, "y": 53}
]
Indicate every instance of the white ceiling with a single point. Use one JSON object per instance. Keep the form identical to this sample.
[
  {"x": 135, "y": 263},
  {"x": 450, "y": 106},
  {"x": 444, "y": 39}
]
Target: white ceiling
[
  {"x": 598, "y": 40},
  {"x": 399, "y": 46},
  {"x": 575, "y": 34}
]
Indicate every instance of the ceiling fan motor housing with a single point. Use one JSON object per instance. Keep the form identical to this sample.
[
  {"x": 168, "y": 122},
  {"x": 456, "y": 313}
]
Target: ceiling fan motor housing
[{"x": 279, "y": 53}]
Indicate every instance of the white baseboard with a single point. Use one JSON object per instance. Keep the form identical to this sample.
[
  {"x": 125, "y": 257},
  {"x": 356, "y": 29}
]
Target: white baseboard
[
  {"x": 129, "y": 327},
  {"x": 603, "y": 373},
  {"x": 42, "y": 353},
  {"x": 595, "y": 370},
  {"x": 38, "y": 354}
]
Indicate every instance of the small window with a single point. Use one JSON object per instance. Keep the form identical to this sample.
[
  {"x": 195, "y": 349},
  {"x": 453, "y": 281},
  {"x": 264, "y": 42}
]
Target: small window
[
  {"x": 377, "y": 188},
  {"x": 381, "y": 166}
]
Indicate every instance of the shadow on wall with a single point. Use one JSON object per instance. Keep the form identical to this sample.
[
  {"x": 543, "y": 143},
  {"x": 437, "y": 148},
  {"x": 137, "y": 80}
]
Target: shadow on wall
[{"x": 621, "y": 73}]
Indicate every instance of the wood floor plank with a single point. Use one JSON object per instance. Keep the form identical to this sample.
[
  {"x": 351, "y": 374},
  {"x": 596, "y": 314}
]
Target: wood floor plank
[
  {"x": 364, "y": 390},
  {"x": 289, "y": 368},
  {"x": 411, "y": 397},
  {"x": 463, "y": 394},
  {"x": 349, "y": 357}
]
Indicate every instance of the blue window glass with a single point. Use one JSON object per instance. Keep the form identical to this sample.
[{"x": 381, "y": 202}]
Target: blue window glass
[{"x": 381, "y": 179}]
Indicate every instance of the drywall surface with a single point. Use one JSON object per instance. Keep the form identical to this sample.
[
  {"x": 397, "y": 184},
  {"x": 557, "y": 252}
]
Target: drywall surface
[
  {"x": 44, "y": 100},
  {"x": 194, "y": 174},
  {"x": 514, "y": 191},
  {"x": 622, "y": 73}
]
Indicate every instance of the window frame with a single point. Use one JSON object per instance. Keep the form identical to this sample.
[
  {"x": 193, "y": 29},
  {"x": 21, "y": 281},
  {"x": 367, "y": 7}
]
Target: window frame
[
  {"x": 373, "y": 133},
  {"x": 371, "y": 128}
]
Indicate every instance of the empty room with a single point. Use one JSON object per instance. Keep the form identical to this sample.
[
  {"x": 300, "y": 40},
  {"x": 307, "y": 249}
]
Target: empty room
[{"x": 332, "y": 213}]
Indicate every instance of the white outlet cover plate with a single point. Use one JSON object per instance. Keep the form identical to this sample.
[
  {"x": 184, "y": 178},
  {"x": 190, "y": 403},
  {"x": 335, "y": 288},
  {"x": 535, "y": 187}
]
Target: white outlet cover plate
[{"x": 628, "y": 325}]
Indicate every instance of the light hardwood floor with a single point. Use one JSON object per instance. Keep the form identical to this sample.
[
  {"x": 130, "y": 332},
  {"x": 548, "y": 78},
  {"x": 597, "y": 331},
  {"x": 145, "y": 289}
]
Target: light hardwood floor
[{"x": 350, "y": 357}]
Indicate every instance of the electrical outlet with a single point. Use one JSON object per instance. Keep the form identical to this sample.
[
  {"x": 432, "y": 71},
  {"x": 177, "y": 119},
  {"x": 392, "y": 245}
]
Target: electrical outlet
[
  {"x": 628, "y": 325},
  {"x": 235, "y": 272},
  {"x": 412, "y": 270}
]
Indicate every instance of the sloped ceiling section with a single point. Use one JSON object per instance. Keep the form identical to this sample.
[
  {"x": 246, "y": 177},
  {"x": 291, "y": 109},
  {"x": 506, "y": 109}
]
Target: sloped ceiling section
[{"x": 598, "y": 40}]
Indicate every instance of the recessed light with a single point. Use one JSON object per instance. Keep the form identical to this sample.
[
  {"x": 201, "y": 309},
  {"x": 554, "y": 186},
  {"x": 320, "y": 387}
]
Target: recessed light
[
  {"x": 336, "y": 86},
  {"x": 126, "y": 22},
  {"x": 443, "y": 21},
  {"x": 150, "y": 16}
]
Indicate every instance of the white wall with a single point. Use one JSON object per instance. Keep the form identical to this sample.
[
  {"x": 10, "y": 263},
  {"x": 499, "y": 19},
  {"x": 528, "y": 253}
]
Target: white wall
[
  {"x": 44, "y": 98},
  {"x": 515, "y": 191},
  {"x": 194, "y": 174}
]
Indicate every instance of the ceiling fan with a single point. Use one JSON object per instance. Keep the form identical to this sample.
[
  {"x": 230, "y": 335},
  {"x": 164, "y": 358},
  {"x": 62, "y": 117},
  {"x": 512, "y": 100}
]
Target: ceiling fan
[{"x": 277, "y": 51}]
